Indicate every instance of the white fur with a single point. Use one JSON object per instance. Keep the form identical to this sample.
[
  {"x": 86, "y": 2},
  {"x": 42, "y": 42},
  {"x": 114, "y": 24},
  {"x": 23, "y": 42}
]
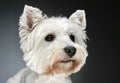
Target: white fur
[{"x": 43, "y": 58}]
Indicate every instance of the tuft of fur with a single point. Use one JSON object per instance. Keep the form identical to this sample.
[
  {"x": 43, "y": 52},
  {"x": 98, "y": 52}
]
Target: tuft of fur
[{"x": 46, "y": 61}]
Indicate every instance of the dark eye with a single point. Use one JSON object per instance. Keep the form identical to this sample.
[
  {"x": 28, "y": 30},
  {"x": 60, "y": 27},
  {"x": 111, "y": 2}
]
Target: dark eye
[
  {"x": 72, "y": 37},
  {"x": 50, "y": 37}
]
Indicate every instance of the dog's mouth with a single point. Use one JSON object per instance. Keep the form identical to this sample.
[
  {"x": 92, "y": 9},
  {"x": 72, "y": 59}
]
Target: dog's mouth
[{"x": 67, "y": 61}]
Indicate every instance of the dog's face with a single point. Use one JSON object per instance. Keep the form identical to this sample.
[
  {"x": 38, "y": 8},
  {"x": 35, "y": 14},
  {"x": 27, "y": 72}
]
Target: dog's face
[{"x": 53, "y": 46}]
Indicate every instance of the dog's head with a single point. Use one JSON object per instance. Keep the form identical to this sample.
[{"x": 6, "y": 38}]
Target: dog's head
[{"x": 55, "y": 45}]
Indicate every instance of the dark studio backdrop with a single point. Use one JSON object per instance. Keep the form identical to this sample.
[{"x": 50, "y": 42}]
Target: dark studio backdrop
[{"x": 102, "y": 65}]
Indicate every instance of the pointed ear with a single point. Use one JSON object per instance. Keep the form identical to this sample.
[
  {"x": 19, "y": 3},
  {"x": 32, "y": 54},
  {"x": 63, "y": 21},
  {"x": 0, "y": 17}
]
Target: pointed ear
[
  {"x": 30, "y": 16},
  {"x": 79, "y": 17}
]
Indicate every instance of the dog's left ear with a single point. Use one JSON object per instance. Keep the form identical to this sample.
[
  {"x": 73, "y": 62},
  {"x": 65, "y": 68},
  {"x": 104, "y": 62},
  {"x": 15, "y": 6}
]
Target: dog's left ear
[
  {"x": 79, "y": 18},
  {"x": 30, "y": 16}
]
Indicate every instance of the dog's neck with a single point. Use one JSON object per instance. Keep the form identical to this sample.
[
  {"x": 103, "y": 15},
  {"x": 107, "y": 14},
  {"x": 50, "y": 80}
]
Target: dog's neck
[{"x": 53, "y": 79}]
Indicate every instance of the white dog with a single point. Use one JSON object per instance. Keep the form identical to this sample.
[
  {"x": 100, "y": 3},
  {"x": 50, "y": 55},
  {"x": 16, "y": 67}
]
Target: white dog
[{"x": 53, "y": 48}]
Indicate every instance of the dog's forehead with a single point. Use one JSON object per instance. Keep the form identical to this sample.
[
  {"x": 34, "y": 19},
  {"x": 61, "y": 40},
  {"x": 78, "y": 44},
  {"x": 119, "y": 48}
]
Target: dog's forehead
[{"x": 58, "y": 25}]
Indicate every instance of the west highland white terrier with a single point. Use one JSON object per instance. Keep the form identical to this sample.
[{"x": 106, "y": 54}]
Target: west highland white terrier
[{"x": 53, "y": 47}]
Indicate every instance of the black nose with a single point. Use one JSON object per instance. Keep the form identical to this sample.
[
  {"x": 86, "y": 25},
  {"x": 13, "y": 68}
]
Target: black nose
[{"x": 70, "y": 50}]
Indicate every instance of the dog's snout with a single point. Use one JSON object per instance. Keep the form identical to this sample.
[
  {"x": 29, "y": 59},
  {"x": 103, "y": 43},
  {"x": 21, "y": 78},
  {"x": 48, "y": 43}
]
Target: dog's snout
[{"x": 70, "y": 50}]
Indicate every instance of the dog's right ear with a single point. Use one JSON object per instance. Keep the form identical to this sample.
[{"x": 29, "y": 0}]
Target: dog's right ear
[
  {"x": 79, "y": 18},
  {"x": 30, "y": 17}
]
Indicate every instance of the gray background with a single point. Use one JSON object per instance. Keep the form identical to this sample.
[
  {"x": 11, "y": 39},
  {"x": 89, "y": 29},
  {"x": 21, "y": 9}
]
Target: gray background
[{"x": 102, "y": 28}]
